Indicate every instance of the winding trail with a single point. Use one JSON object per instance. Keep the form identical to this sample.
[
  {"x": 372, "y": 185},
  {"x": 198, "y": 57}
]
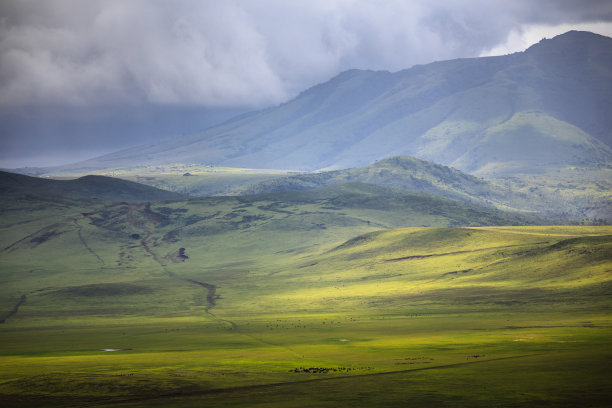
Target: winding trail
[
  {"x": 13, "y": 312},
  {"x": 210, "y": 300},
  {"x": 210, "y": 297},
  {"x": 211, "y": 289},
  {"x": 145, "y": 246},
  {"x": 79, "y": 233}
]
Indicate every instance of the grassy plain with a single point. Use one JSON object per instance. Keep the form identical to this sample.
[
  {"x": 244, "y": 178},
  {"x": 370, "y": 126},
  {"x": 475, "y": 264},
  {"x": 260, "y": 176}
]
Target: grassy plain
[{"x": 297, "y": 300}]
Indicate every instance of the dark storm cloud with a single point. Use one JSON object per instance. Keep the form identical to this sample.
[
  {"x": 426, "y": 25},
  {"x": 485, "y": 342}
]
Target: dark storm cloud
[
  {"x": 227, "y": 53},
  {"x": 110, "y": 59}
]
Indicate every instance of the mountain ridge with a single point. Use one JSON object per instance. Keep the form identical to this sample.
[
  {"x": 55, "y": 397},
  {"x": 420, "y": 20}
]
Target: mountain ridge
[{"x": 463, "y": 113}]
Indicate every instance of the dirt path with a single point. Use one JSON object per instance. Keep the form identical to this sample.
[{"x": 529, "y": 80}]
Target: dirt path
[
  {"x": 210, "y": 301},
  {"x": 210, "y": 297},
  {"x": 13, "y": 312},
  {"x": 79, "y": 233},
  {"x": 145, "y": 246},
  {"x": 211, "y": 289}
]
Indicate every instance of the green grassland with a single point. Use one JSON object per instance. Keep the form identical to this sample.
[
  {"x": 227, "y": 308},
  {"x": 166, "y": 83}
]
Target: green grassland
[{"x": 351, "y": 295}]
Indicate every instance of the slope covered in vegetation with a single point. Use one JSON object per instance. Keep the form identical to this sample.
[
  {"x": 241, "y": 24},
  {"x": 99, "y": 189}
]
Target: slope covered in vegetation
[{"x": 300, "y": 298}]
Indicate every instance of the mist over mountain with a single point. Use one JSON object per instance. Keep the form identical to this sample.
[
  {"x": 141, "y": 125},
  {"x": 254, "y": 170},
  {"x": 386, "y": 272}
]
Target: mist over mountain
[{"x": 524, "y": 113}]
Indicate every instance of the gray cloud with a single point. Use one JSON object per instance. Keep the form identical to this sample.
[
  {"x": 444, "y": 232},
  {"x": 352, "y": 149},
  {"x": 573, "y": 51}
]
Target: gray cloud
[
  {"x": 134, "y": 52},
  {"x": 105, "y": 74},
  {"x": 229, "y": 53}
]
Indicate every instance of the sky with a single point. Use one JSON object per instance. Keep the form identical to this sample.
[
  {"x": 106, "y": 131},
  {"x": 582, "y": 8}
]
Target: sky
[{"x": 83, "y": 78}]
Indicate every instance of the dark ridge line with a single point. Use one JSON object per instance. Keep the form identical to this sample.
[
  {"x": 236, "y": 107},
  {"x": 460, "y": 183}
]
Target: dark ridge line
[
  {"x": 263, "y": 387},
  {"x": 56, "y": 225},
  {"x": 13, "y": 312},
  {"x": 457, "y": 272},
  {"x": 407, "y": 258}
]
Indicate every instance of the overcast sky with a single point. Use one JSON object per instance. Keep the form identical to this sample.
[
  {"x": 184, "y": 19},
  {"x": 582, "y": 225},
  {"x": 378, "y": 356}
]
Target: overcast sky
[{"x": 81, "y": 78}]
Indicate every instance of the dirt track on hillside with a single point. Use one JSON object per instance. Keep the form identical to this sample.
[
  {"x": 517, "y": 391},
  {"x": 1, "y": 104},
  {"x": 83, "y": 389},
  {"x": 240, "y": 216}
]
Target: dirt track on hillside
[
  {"x": 210, "y": 297},
  {"x": 80, "y": 235},
  {"x": 13, "y": 312}
]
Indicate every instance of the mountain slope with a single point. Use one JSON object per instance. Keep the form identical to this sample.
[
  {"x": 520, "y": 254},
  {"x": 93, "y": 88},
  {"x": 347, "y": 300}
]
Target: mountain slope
[{"x": 527, "y": 112}]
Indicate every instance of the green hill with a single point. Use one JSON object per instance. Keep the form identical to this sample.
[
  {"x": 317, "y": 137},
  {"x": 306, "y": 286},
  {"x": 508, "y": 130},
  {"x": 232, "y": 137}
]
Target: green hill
[
  {"x": 529, "y": 112},
  {"x": 569, "y": 195},
  {"x": 403, "y": 172},
  {"x": 352, "y": 208},
  {"x": 87, "y": 187},
  {"x": 308, "y": 298}
]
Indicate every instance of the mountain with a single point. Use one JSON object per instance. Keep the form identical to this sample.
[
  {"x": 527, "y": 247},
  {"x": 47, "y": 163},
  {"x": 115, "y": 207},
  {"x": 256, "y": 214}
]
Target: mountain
[
  {"x": 528, "y": 112},
  {"x": 579, "y": 197},
  {"x": 87, "y": 187}
]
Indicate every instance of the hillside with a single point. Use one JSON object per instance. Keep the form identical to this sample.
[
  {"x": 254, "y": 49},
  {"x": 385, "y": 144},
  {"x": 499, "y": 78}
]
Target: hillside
[
  {"x": 403, "y": 172},
  {"x": 261, "y": 298},
  {"x": 530, "y": 112},
  {"x": 87, "y": 187},
  {"x": 584, "y": 196}
]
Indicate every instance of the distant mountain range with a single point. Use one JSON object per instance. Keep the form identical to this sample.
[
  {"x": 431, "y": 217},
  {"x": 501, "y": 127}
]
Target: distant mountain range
[{"x": 525, "y": 113}]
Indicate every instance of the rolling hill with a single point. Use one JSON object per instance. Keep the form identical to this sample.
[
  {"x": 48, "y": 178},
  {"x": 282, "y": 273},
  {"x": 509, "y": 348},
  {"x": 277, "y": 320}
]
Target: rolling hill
[
  {"x": 529, "y": 112},
  {"x": 584, "y": 196},
  {"x": 299, "y": 298},
  {"x": 87, "y": 187},
  {"x": 404, "y": 172}
]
